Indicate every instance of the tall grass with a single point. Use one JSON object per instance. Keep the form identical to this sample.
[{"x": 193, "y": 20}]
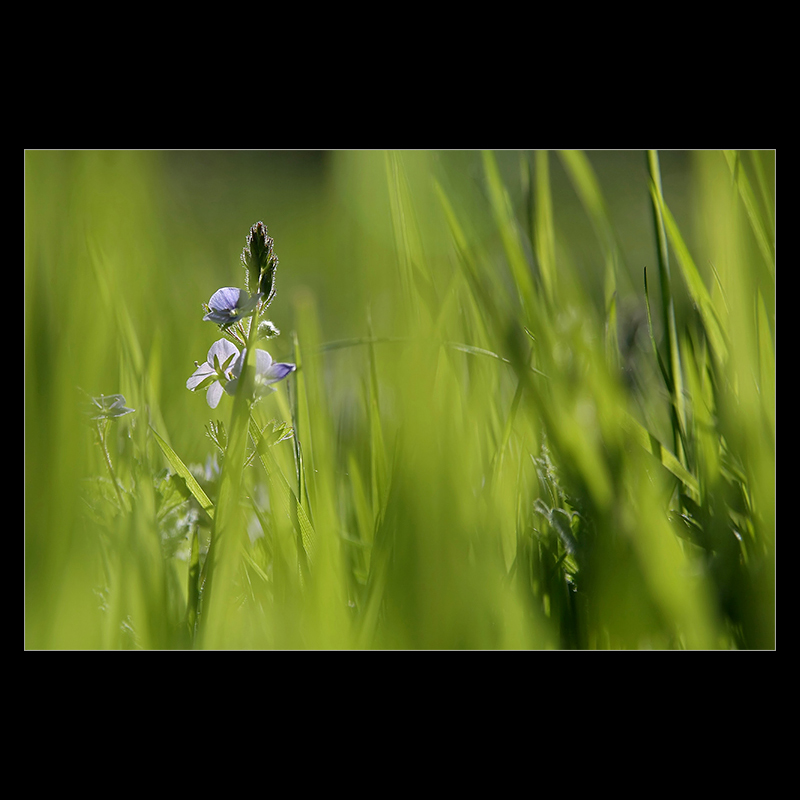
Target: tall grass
[{"x": 505, "y": 431}]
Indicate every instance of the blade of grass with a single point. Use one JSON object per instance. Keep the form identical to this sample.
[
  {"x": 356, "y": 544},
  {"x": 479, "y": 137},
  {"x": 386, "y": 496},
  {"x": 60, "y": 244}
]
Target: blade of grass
[
  {"x": 764, "y": 240},
  {"x": 694, "y": 282},
  {"x": 766, "y": 360},
  {"x": 613, "y": 357},
  {"x": 181, "y": 469},
  {"x": 291, "y": 505},
  {"x": 661, "y": 366},
  {"x": 193, "y": 588},
  {"x": 301, "y": 425},
  {"x": 543, "y": 228},
  {"x": 406, "y": 235},
  {"x": 665, "y": 456},
  {"x": 228, "y": 531},
  {"x": 588, "y": 189},
  {"x": 764, "y": 189},
  {"x": 673, "y": 364},
  {"x": 510, "y": 236},
  {"x": 484, "y": 292},
  {"x": 705, "y": 436},
  {"x": 379, "y": 469}
]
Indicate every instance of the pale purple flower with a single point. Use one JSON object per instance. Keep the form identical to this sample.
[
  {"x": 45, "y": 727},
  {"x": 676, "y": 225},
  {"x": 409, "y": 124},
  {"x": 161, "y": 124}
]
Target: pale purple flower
[
  {"x": 229, "y": 305},
  {"x": 216, "y": 372},
  {"x": 267, "y": 373},
  {"x": 107, "y": 407}
]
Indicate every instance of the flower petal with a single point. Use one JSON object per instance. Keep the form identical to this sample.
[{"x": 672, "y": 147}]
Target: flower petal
[
  {"x": 236, "y": 369},
  {"x": 229, "y": 305},
  {"x": 223, "y": 350},
  {"x": 119, "y": 411},
  {"x": 220, "y": 317},
  {"x": 226, "y": 298},
  {"x": 263, "y": 361},
  {"x": 113, "y": 400},
  {"x": 278, "y": 371},
  {"x": 109, "y": 406},
  {"x": 214, "y": 394},
  {"x": 199, "y": 375}
]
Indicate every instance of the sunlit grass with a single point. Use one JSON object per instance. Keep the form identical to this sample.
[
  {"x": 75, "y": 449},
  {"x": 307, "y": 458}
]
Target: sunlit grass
[{"x": 491, "y": 439}]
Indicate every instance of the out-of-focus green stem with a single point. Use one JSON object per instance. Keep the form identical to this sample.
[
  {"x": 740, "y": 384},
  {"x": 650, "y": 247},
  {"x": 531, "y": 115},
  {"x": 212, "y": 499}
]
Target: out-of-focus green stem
[
  {"x": 673, "y": 361},
  {"x": 101, "y": 433},
  {"x": 193, "y": 593},
  {"x": 223, "y": 542}
]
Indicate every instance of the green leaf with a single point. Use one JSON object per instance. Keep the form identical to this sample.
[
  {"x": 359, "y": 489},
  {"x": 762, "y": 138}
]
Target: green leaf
[
  {"x": 274, "y": 432},
  {"x": 191, "y": 484}
]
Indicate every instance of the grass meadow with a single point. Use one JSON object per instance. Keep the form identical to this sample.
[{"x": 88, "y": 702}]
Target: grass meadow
[{"x": 533, "y": 403}]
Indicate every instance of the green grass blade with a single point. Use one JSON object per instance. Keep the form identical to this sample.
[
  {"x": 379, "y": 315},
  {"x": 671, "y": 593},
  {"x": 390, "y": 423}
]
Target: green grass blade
[
  {"x": 766, "y": 360},
  {"x": 665, "y": 456},
  {"x": 588, "y": 188},
  {"x": 674, "y": 366},
  {"x": 407, "y": 234},
  {"x": 585, "y": 182},
  {"x": 181, "y": 469},
  {"x": 543, "y": 227},
  {"x": 613, "y": 357},
  {"x": 694, "y": 282},
  {"x": 763, "y": 238},
  {"x": 291, "y": 505},
  {"x": 510, "y": 235},
  {"x": 661, "y": 366},
  {"x": 484, "y": 295},
  {"x": 379, "y": 462}
]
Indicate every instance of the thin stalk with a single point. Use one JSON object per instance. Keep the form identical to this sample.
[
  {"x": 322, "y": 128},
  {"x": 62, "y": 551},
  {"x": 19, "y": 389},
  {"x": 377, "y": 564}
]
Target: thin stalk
[
  {"x": 102, "y": 427},
  {"x": 227, "y": 509},
  {"x": 673, "y": 362},
  {"x": 193, "y": 593}
]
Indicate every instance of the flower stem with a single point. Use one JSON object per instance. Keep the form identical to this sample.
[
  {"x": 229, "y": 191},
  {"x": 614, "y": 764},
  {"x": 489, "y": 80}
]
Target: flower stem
[
  {"x": 101, "y": 433},
  {"x": 193, "y": 593},
  {"x": 223, "y": 548}
]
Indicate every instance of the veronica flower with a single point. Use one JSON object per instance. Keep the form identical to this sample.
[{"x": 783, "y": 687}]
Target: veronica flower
[
  {"x": 267, "y": 373},
  {"x": 229, "y": 305},
  {"x": 216, "y": 372},
  {"x": 106, "y": 407}
]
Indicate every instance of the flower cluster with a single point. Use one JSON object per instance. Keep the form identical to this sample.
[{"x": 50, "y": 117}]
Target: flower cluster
[
  {"x": 223, "y": 367},
  {"x": 236, "y": 312}
]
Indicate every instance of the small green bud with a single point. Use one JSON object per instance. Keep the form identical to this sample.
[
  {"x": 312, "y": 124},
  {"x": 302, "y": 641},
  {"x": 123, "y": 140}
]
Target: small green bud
[
  {"x": 267, "y": 330},
  {"x": 260, "y": 262}
]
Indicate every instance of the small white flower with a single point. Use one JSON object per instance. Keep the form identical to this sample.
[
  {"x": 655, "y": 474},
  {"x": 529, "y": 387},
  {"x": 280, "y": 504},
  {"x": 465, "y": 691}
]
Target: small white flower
[{"x": 215, "y": 374}]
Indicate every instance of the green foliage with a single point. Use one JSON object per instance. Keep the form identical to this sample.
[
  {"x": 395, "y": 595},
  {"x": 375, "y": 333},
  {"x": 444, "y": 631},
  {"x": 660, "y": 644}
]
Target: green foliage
[{"x": 534, "y": 403}]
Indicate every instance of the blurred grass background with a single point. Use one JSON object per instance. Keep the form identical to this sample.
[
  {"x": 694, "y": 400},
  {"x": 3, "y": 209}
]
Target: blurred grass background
[{"x": 439, "y": 478}]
